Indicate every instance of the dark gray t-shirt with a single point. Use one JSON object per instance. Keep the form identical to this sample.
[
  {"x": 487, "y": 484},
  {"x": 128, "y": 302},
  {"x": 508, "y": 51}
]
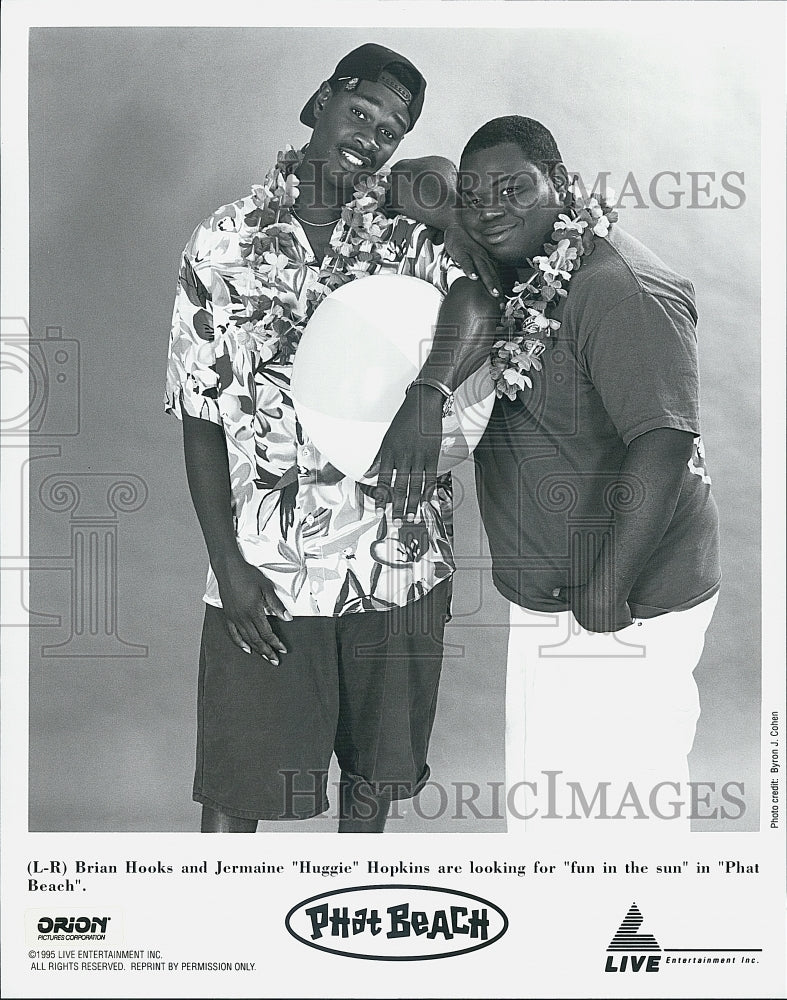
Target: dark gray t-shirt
[{"x": 623, "y": 362}]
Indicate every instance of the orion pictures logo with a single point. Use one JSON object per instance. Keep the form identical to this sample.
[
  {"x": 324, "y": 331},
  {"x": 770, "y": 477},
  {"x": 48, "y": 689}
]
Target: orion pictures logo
[{"x": 72, "y": 928}]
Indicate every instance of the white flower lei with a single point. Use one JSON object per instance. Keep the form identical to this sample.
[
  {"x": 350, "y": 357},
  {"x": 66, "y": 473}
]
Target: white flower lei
[
  {"x": 525, "y": 321},
  {"x": 269, "y": 247}
]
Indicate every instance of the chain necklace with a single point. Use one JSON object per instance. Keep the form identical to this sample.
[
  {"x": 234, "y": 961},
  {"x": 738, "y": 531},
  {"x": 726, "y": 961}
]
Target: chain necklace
[
  {"x": 268, "y": 246},
  {"x": 317, "y": 225}
]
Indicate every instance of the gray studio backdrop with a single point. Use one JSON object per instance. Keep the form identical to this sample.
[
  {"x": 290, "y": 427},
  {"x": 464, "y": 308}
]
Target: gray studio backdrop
[{"x": 136, "y": 135}]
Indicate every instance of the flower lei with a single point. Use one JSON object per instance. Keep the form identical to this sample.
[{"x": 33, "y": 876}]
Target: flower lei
[
  {"x": 525, "y": 321},
  {"x": 269, "y": 246}
]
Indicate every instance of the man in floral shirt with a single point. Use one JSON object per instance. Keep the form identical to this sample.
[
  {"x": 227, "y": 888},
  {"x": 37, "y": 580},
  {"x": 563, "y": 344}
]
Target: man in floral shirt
[{"x": 325, "y": 617}]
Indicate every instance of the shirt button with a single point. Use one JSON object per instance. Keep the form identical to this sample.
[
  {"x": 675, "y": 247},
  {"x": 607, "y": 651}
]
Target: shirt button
[{"x": 556, "y": 592}]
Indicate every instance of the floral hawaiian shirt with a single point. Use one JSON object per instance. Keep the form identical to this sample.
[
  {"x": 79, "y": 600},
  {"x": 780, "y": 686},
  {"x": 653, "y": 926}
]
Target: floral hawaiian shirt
[{"x": 314, "y": 532}]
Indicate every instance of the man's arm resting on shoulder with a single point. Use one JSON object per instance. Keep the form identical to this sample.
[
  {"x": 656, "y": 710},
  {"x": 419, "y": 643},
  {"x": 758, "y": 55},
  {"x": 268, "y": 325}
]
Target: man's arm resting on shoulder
[
  {"x": 465, "y": 332},
  {"x": 424, "y": 188},
  {"x": 656, "y": 463},
  {"x": 245, "y": 591}
]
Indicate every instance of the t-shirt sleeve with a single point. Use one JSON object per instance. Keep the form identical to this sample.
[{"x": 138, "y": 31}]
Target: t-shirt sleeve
[
  {"x": 192, "y": 382},
  {"x": 642, "y": 359}
]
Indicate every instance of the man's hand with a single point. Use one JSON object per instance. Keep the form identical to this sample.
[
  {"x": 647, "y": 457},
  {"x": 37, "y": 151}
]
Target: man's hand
[
  {"x": 424, "y": 189},
  {"x": 249, "y": 597},
  {"x": 652, "y": 474},
  {"x": 411, "y": 445},
  {"x": 472, "y": 258},
  {"x": 465, "y": 331}
]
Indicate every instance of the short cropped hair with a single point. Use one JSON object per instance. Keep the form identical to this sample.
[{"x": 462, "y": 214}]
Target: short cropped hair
[{"x": 534, "y": 139}]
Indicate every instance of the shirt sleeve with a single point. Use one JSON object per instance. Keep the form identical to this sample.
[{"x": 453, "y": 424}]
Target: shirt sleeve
[
  {"x": 192, "y": 383},
  {"x": 428, "y": 260},
  {"x": 642, "y": 359}
]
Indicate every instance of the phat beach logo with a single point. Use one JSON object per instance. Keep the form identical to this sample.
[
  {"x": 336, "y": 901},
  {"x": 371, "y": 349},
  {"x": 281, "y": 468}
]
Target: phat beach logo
[
  {"x": 631, "y": 950},
  {"x": 396, "y": 923}
]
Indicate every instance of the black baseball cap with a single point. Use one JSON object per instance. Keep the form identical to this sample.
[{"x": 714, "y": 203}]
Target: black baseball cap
[{"x": 379, "y": 65}]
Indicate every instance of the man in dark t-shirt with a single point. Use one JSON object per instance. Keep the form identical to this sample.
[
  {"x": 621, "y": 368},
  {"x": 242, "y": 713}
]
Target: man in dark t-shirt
[
  {"x": 623, "y": 364},
  {"x": 593, "y": 491}
]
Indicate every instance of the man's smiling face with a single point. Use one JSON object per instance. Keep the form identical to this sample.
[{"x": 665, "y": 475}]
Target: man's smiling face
[
  {"x": 508, "y": 204},
  {"x": 357, "y": 131}
]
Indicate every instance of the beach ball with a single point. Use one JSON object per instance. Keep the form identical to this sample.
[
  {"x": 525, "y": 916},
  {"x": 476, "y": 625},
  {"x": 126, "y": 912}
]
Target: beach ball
[{"x": 362, "y": 347}]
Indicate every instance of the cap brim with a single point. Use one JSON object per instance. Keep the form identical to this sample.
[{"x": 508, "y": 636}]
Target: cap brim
[{"x": 307, "y": 115}]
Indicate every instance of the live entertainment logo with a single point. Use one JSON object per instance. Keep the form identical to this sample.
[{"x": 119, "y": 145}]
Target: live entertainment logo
[{"x": 630, "y": 950}]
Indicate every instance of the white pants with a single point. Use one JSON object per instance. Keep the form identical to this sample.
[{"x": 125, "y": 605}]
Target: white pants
[{"x": 603, "y": 712}]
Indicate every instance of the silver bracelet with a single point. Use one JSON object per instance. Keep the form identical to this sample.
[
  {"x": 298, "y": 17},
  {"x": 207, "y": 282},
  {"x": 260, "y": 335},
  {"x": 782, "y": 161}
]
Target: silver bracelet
[{"x": 442, "y": 388}]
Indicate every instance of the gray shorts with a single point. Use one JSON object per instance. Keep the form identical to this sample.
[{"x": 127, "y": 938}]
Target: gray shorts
[{"x": 361, "y": 685}]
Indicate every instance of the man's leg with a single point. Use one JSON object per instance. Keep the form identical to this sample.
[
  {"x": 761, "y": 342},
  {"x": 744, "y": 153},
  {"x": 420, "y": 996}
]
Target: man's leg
[
  {"x": 528, "y": 632},
  {"x": 389, "y": 672},
  {"x": 265, "y": 734},
  {"x": 608, "y": 720},
  {"x": 215, "y": 821},
  {"x": 361, "y": 808}
]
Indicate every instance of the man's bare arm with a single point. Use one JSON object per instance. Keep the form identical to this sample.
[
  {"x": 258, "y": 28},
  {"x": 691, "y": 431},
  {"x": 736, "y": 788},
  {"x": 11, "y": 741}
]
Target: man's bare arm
[
  {"x": 655, "y": 464},
  {"x": 465, "y": 331},
  {"x": 245, "y": 591},
  {"x": 424, "y": 189}
]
